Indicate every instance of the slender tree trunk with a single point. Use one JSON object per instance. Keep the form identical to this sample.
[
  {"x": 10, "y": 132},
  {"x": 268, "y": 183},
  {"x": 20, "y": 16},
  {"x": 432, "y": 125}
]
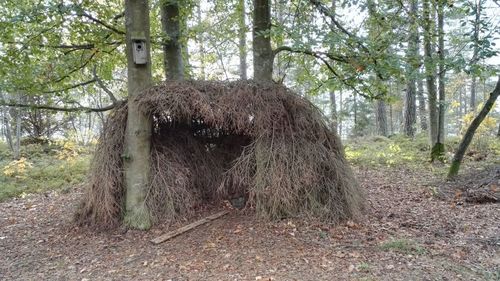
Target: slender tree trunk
[
  {"x": 333, "y": 108},
  {"x": 262, "y": 52},
  {"x": 17, "y": 147},
  {"x": 410, "y": 113},
  {"x": 381, "y": 112},
  {"x": 421, "y": 105},
  {"x": 340, "y": 112},
  {"x": 242, "y": 36},
  {"x": 355, "y": 107},
  {"x": 7, "y": 129},
  {"x": 477, "y": 22},
  {"x": 172, "y": 47},
  {"x": 420, "y": 90},
  {"x": 138, "y": 132},
  {"x": 381, "y": 118},
  {"x": 469, "y": 134},
  {"x": 430, "y": 72},
  {"x": 438, "y": 150},
  {"x": 498, "y": 133},
  {"x": 333, "y": 100}
]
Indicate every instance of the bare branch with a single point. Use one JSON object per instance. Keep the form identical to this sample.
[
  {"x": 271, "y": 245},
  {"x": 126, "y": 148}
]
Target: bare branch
[
  {"x": 106, "y": 25},
  {"x": 103, "y": 86},
  {"x": 71, "y": 87},
  {"x": 63, "y": 109}
]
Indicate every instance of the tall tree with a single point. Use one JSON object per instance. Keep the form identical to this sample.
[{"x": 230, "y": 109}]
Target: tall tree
[
  {"x": 374, "y": 31},
  {"x": 139, "y": 125},
  {"x": 262, "y": 51},
  {"x": 430, "y": 71},
  {"x": 412, "y": 66},
  {"x": 475, "y": 56},
  {"x": 438, "y": 149},
  {"x": 172, "y": 45},
  {"x": 333, "y": 99}
]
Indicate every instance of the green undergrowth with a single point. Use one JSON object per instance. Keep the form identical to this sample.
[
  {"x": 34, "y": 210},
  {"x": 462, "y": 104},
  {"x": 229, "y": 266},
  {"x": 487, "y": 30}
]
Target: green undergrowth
[
  {"x": 403, "y": 246},
  {"x": 41, "y": 168},
  {"x": 401, "y": 151}
]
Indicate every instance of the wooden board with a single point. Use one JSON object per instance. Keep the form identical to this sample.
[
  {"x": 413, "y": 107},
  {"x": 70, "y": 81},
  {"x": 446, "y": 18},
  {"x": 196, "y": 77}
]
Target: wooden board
[{"x": 179, "y": 231}]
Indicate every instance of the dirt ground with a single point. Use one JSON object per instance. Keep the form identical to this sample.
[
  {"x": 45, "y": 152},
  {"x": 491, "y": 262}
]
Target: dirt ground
[{"x": 408, "y": 234}]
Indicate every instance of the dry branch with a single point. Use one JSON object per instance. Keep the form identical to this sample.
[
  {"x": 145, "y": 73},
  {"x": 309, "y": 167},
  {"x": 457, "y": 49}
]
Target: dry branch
[{"x": 188, "y": 227}]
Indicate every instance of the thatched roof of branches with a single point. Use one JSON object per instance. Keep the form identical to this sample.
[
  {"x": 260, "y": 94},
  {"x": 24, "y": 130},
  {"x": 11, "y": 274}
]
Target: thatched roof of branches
[{"x": 218, "y": 140}]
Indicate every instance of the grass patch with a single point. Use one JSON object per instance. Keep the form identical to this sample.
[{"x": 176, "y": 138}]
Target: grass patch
[
  {"x": 401, "y": 151},
  {"x": 41, "y": 169},
  {"x": 403, "y": 246}
]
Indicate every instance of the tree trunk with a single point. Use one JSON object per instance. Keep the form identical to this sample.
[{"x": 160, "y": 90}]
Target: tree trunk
[
  {"x": 172, "y": 47},
  {"x": 381, "y": 113},
  {"x": 381, "y": 118},
  {"x": 138, "y": 132},
  {"x": 242, "y": 42},
  {"x": 469, "y": 134},
  {"x": 410, "y": 113},
  {"x": 420, "y": 90},
  {"x": 430, "y": 72},
  {"x": 17, "y": 146},
  {"x": 333, "y": 108},
  {"x": 7, "y": 129},
  {"x": 340, "y": 112},
  {"x": 438, "y": 149},
  {"x": 262, "y": 52},
  {"x": 475, "y": 36}
]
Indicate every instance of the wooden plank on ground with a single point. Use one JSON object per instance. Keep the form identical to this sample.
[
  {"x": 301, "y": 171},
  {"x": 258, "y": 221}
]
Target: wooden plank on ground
[{"x": 179, "y": 231}]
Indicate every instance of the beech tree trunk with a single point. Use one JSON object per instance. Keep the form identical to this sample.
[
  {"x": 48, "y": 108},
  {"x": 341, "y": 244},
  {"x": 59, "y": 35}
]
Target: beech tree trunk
[
  {"x": 137, "y": 147},
  {"x": 172, "y": 47},
  {"x": 469, "y": 134},
  {"x": 430, "y": 72},
  {"x": 262, "y": 52}
]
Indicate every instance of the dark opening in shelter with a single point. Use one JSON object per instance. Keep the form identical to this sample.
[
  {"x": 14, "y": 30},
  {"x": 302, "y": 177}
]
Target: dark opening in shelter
[{"x": 223, "y": 140}]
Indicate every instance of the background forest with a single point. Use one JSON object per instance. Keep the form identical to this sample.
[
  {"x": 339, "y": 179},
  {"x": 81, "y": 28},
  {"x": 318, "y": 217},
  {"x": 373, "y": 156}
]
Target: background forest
[{"x": 404, "y": 71}]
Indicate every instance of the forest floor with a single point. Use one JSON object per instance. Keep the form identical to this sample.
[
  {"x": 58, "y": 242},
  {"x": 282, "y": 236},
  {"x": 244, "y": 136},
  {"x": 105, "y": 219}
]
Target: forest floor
[{"x": 409, "y": 233}]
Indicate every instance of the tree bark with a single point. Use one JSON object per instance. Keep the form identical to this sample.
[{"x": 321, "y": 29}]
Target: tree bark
[
  {"x": 438, "y": 149},
  {"x": 262, "y": 52},
  {"x": 410, "y": 113},
  {"x": 333, "y": 108},
  {"x": 242, "y": 39},
  {"x": 469, "y": 134},
  {"x": 430, "y": 72},
  {"x": 339, "y": 114},
  {"x": 137, "y": 148},
  {"x": 381, "y": 118},
  {"x": 381, "y": 112},
  {"x": 172, "y": 47},
  {"x": 420, "y": 88}
]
